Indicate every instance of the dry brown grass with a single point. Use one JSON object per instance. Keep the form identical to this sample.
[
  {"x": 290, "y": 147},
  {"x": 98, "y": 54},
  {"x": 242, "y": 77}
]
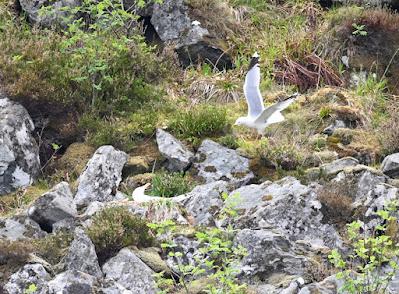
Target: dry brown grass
[
  {"x": 336, "y": 199},
  {"x": 388, "y": 131}
]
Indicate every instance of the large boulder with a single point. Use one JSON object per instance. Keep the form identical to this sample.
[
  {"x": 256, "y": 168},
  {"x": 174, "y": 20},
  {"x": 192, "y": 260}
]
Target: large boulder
[
  {"x": 177, "y": 155},
  {"x": 204, "y": 201},
  {"x": 329, "y": 285},
  {"x": 215, "y": 162},
  {"x": 53, "y": 207},
  {"x": 19, "y": 153},
  {"x": 82, "y": 255},
  {"x": 390, "y": 165},
  {"x": 72, "y": 282},
  {"x": 130, "y": 272},
  {"x": 269, "y": 252},
  {"x": 19, "y": 227},
  {"x": 101, "y": 178},
  {"x": 30, "y": 274},
  {"x": 286, "y": 205}
]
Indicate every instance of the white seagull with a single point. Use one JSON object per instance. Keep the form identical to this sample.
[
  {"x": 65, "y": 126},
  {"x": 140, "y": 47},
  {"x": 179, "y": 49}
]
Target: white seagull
[{"x": 258, "y": 116}]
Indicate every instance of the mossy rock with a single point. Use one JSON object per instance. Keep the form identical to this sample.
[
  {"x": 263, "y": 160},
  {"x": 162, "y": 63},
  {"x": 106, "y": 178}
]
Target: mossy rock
[{"x": 150, "y": 256}]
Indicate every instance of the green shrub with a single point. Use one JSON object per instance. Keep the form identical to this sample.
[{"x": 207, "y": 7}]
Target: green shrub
[
  {"x": 362, "y": 269},
  {"x": 170, "y": 184},
  {"x": 100, "y": 69},
  {"x": 114, "y": 228},
  {"x": 200, "y": 121},
  {"x": 54, "y": 247},
  {"x": 230, "y": 141}
]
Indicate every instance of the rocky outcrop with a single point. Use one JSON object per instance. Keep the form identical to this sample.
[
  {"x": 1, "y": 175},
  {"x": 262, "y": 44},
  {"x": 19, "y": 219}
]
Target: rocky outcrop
[
  {"x": 82, "y": 255},
  {"x": 269, "y": 252},
  {"x": 19, "y": 227},
  {"x": 101, "y": 178},
  {"x": 215, "y": 162},
  {"x": 204, "y": 201},
  {"x": 30, "y": 274},
  {"x": 172, "y": 23},
  {"x": 390, "y": 165},
  {"x": 177, "y": 155},
  {"x": 72, "y": 282},
  {"x": 330, "y": 285},
  {"x": 286, "y": 205},
  {"x": 53, "y": 206},
  {"x": 19, "y": 153},
  {"x": 130, "y": 272}
]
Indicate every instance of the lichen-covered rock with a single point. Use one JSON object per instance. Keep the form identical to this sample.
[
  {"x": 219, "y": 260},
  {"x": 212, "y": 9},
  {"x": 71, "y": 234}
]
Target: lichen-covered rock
[
  {"x": 65, "y": 225},
  {"x": 204, "y": 201},
  {"x": 178, "y": 156},
  {"x": 101, "y": 178},
  {"x": 82, "y": 255},
  {"x": 19, "y": 227},
  {"x": 269, "y": 252},
  {"x": 286, "y": 205},
  {"x": 19, "y": 153},
  {"x": 329, "y": 285},
  {"x": 130, "y": 272},
  {"x": 109, "y": 286},
  {"x": 61, "y": 10},
  {"x": 30, "y": 274},
  {"x": 215, "y": 162},
  {"x": 338, "y": 165},
  {"x": 390, "y": 165},
  {"x": 53, "y": 206},
  {"x": 72, "y": 282}
]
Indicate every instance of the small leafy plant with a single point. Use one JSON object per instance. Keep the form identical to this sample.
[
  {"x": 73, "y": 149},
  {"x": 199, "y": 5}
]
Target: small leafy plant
[
  {"x": 359, "y": 30},
  {"x": 216, "y": 258},
  {"x": 362, "y": 271}
]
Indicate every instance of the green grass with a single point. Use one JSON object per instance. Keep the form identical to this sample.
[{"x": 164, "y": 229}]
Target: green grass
[
  {"x": 166, "y": 184},
  {"x": 199, "y": 121}
]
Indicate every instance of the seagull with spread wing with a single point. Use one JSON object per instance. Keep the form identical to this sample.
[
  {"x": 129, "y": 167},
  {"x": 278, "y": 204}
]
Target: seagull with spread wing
[{"x": 258, "y": 116}]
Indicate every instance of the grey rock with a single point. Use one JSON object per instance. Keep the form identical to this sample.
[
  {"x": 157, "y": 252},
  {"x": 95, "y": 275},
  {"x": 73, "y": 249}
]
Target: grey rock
[
  {"x": 204, "y": 201},
  {"x": 216, "y": 162},
  {"x": 19, "y": 153},
  {"x": 331, "y": 128},
  {"x": 171, "y": 21},
  {"x": 329, "y": 285},
  {"x": 66, "y": 225},
  {"x": 72, "y": 282},
  {"x": 19, "y": 227},
  {"x": 390, "y": 165},
  {"x": 332, "y": 168},
  {"x": 82, "y": 255},
  {"x": 269, "y": 252},
  {"x": 189, "y": 253},
  {"x": 286, "y": 205},
  {"x": 178, "y": 156},
  {"x": 58, "y": 15},
  {"x": 53, "y": 206},
  {"x": 30, "y": 274},
  {"x": 130, "y": 272},
  {"x": 101, "y": 178},
  {"x": 111, "y": 287}
]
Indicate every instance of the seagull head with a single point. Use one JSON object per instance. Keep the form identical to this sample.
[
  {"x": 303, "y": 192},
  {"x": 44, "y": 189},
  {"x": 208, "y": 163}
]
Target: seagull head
[
  {"x": 240, "y": 121},
  {"x": 256, "y": 55}
]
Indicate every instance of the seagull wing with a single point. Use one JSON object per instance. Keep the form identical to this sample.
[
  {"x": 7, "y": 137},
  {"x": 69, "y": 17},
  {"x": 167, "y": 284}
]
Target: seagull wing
[
  {"x": 252, "y": 92},
  {"x": 272, "y": 114}
]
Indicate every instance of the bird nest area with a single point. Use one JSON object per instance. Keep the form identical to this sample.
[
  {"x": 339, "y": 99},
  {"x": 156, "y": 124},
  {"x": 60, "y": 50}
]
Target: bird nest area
[{"x": 310, "y": 72}]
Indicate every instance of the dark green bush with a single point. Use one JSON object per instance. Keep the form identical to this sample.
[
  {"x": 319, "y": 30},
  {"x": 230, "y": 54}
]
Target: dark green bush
[
  {"x": 200, "y": 121},
  {"x": 114, "y": 228},
  {"x": 170, "y": 184}
]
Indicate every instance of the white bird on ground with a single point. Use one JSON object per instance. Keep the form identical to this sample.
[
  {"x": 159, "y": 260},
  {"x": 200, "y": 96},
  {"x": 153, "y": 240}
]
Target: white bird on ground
[
  {"x": 258, "y": 116},
  {"x": 139, "y": 196},
  {"x": 195, "y": 23}
]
